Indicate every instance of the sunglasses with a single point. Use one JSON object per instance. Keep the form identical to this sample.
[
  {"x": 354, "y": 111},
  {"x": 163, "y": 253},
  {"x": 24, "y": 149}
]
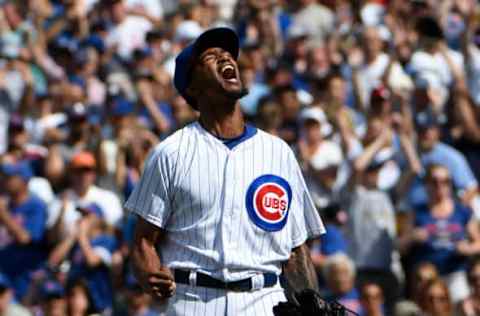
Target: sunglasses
[
  {"x": 438, "y": 298},
  {"x": 438, "y": 181}
]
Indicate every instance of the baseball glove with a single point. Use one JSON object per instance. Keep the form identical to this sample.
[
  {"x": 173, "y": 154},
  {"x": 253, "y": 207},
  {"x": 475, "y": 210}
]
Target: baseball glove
[{"x": 309, "y": 303}]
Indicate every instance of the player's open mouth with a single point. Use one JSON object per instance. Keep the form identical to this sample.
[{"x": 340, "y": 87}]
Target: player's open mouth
[{"x": 228, "y": 73}]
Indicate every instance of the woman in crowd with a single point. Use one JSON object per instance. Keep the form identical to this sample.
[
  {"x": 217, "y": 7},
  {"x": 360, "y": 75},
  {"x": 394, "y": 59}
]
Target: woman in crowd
[
  {"x": 436, "y": 299},
  {"x": 443, "y": 232}
]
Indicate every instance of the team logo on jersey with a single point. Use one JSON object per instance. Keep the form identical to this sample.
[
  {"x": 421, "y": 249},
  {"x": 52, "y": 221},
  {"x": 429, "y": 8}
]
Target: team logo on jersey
[{"x": 268, "y": 202}]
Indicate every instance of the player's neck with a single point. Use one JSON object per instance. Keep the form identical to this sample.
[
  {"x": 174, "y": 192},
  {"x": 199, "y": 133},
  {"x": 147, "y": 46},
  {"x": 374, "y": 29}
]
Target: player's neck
[{"x": 223, "y": 124}]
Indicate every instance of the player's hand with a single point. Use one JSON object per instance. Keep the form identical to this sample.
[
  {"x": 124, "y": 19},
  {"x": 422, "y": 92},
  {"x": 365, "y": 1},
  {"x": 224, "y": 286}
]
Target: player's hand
[{"x": 161, "y": 284}]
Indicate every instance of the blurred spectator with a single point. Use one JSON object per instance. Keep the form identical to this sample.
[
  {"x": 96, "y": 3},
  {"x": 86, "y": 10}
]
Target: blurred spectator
[
  {"x": 317, "y": 19},
  {"x": 470, "y": 306},
  {"x": 63, "y": 214},
  {"x": 8, "y": 307},
  {"x": 372, "y": 300},
  {"x": 433, "y": 151},
  {"x": 79, "y": 301},
  {"x": 23, "y": 219},
  {"x": 333, "y": 241},
  {"x": 89, "y": 248},
  {"x": 138, "y": 302},
  {"x": 339, "y": 274},
  {"x": 129, "y": 28},
  {"x": 443, "y": 232},
  {"x": 436, "y": 299},
  {"x": 53, "y": 299}
]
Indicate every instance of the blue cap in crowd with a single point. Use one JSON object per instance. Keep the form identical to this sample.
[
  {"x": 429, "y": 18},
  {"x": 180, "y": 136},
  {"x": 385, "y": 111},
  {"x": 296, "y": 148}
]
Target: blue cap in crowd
[
  {"x": 96, "y": 42},
  {"x": 52, "y": 289},
  {"x": 222, "y": 37},
  {"x": 122, "y": 107},
  {"x": 21, "y": 169},
  {"x": 4, "y": 282},
  {"x": 92, "y": 208},
  {"x": 426, "y": 119}
]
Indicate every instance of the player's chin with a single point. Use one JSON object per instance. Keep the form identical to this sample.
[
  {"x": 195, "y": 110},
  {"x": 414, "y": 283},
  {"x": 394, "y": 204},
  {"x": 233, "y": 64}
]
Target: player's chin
[{"x": 234, "y": 90}]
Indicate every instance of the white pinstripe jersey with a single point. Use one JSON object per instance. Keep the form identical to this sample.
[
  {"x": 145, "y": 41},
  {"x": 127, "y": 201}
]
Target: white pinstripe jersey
[{"x": 229, "y": 213}]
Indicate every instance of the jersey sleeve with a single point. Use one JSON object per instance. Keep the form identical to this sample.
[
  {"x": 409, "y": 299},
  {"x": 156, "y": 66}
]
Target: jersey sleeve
[
  {"x": 307, "y": 222},
  {"x": 151, "y": 199}
]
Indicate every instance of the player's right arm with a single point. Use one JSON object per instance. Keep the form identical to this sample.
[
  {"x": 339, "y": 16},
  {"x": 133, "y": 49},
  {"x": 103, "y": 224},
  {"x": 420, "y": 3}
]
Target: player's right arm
[{"x": 154, "y": 278}]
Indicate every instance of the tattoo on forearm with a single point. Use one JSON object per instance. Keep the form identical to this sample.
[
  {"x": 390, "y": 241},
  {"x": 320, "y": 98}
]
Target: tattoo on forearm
[{"x": 299, "y": 270}]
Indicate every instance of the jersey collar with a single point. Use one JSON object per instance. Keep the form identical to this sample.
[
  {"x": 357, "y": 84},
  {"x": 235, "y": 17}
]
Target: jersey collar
[{"x": 248, "y": 132}]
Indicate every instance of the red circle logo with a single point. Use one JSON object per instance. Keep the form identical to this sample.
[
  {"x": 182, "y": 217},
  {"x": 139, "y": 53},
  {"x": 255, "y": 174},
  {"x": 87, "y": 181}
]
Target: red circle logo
[{"x": 271, "y": 202}]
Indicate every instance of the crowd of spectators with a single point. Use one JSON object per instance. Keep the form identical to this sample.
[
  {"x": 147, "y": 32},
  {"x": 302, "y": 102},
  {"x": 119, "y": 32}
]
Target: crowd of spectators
[{"x": 379, "y": 99}]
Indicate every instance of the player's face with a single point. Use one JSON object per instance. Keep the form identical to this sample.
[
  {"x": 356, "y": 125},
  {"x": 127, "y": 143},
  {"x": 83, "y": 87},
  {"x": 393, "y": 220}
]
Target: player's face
[{"x": 216, "y": 71}]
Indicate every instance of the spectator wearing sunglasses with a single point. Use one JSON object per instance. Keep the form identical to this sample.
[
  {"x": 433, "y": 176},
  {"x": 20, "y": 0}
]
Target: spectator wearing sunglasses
[{"x": 443, "y": 232}]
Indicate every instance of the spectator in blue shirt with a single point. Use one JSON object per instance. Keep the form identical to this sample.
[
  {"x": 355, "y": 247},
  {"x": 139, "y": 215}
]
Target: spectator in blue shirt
[
  {"x": 443, "y": 232},
  {"x": 22, "y": 227},
  {"x": 432, "y": 151},
  {"x": 89, "y": 250}
]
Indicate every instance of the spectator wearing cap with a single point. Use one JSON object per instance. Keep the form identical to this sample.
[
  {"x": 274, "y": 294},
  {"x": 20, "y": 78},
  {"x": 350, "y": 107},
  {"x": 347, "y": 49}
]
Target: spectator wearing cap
[
  {"x": 8, "y": 307},
  {"x": 22, "y": 227},
  {"x": 52, "y": 295},
  {"x": 433, "y": 151},
  {"x": 89, "y": 248},
  {"x": 443, "y": 232},
  {"x": 371, "y": 225},
  {"x": 63, "y": 214},
  {"x": 80, "y": 138},
  {"x": 322, "y": 157},
  {"x": 79, "y": 127}
]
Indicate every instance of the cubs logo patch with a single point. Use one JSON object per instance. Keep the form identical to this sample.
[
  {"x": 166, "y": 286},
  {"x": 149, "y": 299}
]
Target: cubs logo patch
[{"x": 268, "y": 202}]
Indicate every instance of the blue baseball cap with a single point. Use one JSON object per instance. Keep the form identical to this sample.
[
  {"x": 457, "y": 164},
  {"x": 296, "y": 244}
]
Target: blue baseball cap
[
  {"x": 92, "y": 208},
  {"x": 426, "y": 119},
  {"x": 222, "y": 37},
  {"x": 21, "y": 169},
  {"x": 52, "y": 289}
]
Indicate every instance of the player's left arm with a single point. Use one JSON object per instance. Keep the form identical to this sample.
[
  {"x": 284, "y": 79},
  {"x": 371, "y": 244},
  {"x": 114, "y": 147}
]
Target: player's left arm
[{"x": 299, "y": 270}]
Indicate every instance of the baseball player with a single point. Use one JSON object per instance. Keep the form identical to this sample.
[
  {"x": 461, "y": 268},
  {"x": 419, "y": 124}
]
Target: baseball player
[{"x": 222, "y": 206}]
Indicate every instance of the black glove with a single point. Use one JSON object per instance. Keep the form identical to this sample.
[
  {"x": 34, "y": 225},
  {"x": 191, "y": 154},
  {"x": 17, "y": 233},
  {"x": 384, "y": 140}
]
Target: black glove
[{"x": 309, "y": 303}]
